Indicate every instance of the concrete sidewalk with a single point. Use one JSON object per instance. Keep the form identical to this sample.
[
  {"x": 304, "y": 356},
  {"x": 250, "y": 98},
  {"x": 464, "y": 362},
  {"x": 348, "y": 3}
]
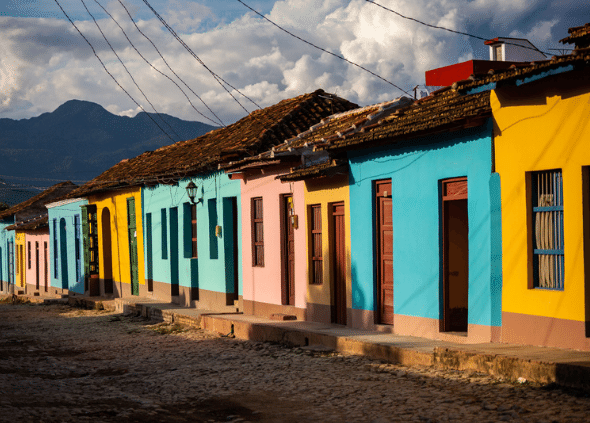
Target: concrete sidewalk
[{"x": 535, "y": 364}]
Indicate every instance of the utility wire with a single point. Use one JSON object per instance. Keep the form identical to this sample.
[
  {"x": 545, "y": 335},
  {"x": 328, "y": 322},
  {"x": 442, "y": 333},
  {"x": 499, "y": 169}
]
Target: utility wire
[
  {"x": 110, "y": 74},
  {"x": 218, "y": 78},
  {"x": 169, "y": 67},
  {"x": 448, "y": 29},
  {"x": 129, "y": 73},
  {"x": 153, "y": 67},
  {"x": 323, "y": 49}
]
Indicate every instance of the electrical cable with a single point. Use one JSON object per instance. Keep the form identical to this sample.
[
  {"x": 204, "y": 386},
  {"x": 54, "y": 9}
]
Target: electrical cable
[
  {"x": 323, "y": 49},
  {"x": 448, "y": 29},
  {"x": 110, "y": 74},
  {"x": 218, "y": 78},
  {"x": 169, "y": 67},
  {"x": 156, "y": 69},
  {"x": 129, "y": 73}
]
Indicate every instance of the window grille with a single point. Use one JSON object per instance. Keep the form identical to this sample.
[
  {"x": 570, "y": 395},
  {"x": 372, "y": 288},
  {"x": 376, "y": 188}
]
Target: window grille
[{"x": 548, "y": 257}]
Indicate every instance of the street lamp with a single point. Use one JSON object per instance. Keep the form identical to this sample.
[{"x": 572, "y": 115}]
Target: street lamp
[{"x": 191, "y": 190}]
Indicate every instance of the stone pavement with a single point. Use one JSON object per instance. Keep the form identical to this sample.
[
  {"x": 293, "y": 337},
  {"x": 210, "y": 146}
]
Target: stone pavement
[{"x": 513, "y": 362}]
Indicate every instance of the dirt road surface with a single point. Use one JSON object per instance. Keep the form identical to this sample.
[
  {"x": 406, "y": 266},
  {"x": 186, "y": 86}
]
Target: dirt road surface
[{"x": 61, "y": 364}]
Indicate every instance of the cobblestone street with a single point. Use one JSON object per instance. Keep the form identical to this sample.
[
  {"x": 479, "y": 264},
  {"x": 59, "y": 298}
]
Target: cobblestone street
[{"x": 59, "y": 363}]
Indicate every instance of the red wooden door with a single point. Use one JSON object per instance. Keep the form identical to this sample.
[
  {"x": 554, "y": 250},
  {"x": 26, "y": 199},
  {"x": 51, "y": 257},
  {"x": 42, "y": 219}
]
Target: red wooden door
[
  {"x": 384, "y": 251},
  {"x": 288, "y": 251},
  {"x": 339, "y": 265}
]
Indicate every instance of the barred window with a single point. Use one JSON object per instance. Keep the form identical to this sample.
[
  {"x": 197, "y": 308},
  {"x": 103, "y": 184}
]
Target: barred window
[{"x": 548, "y": 258}]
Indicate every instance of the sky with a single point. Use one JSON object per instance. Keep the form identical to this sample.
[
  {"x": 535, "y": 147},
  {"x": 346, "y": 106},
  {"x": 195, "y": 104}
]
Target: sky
[{"x": 44, "y": 61}]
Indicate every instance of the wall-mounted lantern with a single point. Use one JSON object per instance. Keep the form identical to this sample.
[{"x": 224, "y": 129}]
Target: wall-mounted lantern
[{"x": 191, "y": 190}]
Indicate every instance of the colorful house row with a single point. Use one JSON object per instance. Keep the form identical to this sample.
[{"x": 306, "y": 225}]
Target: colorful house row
[
  {"x": 25, "y": 246},
  {"x": 443, "y": 217}
]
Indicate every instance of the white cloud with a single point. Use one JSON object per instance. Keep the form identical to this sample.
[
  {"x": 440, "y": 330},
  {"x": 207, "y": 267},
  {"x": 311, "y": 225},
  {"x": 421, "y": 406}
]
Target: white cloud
[{"x": 44, "y": 62}]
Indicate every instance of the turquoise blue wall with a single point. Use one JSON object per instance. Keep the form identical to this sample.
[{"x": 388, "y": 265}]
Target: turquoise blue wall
[
  {"x": 74, "y": 279},
  {"x": 5, "y": 238},
  {"x": 416, "y": 169},
  {"x": 209, "y": 270}
]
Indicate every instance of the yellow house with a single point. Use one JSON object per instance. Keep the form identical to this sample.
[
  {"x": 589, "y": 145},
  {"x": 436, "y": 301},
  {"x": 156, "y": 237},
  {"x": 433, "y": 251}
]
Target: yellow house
[
  {"x": 542, "y": 153},
  {"x": 114, "y": 242},
  {"x": 19, "y": 253}
]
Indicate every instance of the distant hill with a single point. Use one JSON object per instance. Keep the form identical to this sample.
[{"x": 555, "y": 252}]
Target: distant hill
[{"x": 78, "y": 141}]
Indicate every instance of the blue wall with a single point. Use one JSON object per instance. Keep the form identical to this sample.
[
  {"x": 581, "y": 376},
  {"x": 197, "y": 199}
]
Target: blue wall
[
  {"x": 415, "y": 169},
  {"x": 6, "y": 237},
  {"x": 209, "y": 270},
  {"x": 73, "y": 276}
]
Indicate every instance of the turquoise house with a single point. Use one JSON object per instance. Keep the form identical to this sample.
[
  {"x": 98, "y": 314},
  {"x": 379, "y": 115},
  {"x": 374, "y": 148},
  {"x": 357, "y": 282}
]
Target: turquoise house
[
  {"x": 192, "y": 248},
  {"x": 66, "y": 245},
  {"x": 424, "y": 186},
  {"x": 6, "y": 256}
]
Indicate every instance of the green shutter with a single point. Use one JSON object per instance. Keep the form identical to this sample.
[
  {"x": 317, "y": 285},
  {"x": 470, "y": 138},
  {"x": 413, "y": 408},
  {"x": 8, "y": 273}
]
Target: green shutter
[
  {"x": 187, "y": 232},
  {"x": 85, "y": 240}
]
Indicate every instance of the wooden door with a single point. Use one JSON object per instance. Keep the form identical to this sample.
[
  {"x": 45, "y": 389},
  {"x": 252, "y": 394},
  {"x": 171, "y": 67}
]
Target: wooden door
[
  {"x": 288, "y": 250},
  {"x": 384, "y": 238},
  {"x": 132, "y": 234},
  {"x": 174, "y": 262},
  {"x": 63, "y": 243},
  {"x": 455, "y": 255},
  {"x": 37, "y": 268},
  {"x": 339, "y": 265},
  {"x": 46, "y": 266}
]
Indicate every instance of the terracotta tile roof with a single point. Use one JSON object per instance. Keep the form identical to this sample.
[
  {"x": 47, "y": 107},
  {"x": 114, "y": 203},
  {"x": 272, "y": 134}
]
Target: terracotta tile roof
[
  {"x": 443, "y": 111},
  {"x": 257, "y": 132},
  {"x": 557, "y": 64},
  {"x": 329, "y": 129},
  {"x": 38, "y": 201},
  {"x": 30, "y": 225},
  {"x": 579, "y": 35}
]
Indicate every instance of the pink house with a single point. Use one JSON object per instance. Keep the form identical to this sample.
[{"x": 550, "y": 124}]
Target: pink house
[{"x": 273, "y": 242}]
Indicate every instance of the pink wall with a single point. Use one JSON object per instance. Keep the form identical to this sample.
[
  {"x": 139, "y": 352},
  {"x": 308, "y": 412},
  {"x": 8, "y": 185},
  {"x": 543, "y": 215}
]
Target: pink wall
[
  {"x": 263, "y": 284},
  {"x": 31, "y": 274}
]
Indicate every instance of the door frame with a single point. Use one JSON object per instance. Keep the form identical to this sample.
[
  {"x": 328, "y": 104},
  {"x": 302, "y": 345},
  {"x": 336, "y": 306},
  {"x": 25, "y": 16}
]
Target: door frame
[
  {"x": 446, "y": 196},
  {"x": 338, "y": 285},
  {"x": 378, "y": 254}
]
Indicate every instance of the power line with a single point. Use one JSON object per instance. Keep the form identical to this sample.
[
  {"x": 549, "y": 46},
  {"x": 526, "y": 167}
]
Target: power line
[
  {"x": 110, "y": 74},
  {"x": 169, "y": 67},
  {"x": 324, "y": 50},
  {"x": 129, "y": 73},
  {"x": 218, "y": 78},
  {"x": 447, "y": 29},
  {"x": 152, "y": 66}
]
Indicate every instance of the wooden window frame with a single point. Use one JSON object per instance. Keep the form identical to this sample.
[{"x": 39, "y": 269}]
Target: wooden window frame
[
  {"x": 315, "y": 245},
  {"x": 29, "y": 255},
  {"x": 540, "y": 187},
  {"x": 257, "y": 222},
  {"x": 55, "y": 255}
]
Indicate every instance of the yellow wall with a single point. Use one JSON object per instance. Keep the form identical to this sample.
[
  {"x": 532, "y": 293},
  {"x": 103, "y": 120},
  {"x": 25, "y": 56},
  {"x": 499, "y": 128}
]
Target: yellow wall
[
  {"x": 325, "y": 191},
  {"x": 116, "y": 202},
  {"x": 20, "y": 259},
  {"x": 538, "y": 127}
]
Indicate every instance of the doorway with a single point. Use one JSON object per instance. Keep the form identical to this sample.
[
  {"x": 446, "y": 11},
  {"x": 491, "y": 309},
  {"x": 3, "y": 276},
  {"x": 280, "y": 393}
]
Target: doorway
[
  {"x": 132, "y": 236},
  {"x": 63, "y": 244},
  {"x": 107, "y": 256},
  {"x": 338, "y": 253},
  {"x": 455, "y": 239},
  {"x": 384, "y": 241},
  {"x": 174, "y": 271},
  {"x": 37, "y": 267},
  {"x": 287, "y": 250}
]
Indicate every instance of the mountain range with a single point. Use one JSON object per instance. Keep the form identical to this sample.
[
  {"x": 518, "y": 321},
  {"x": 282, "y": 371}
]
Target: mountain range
[{"x": 78, "y": 141}]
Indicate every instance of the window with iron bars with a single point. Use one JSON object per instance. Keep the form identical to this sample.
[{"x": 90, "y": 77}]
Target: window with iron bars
[{"x": 547, "y": 214}]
